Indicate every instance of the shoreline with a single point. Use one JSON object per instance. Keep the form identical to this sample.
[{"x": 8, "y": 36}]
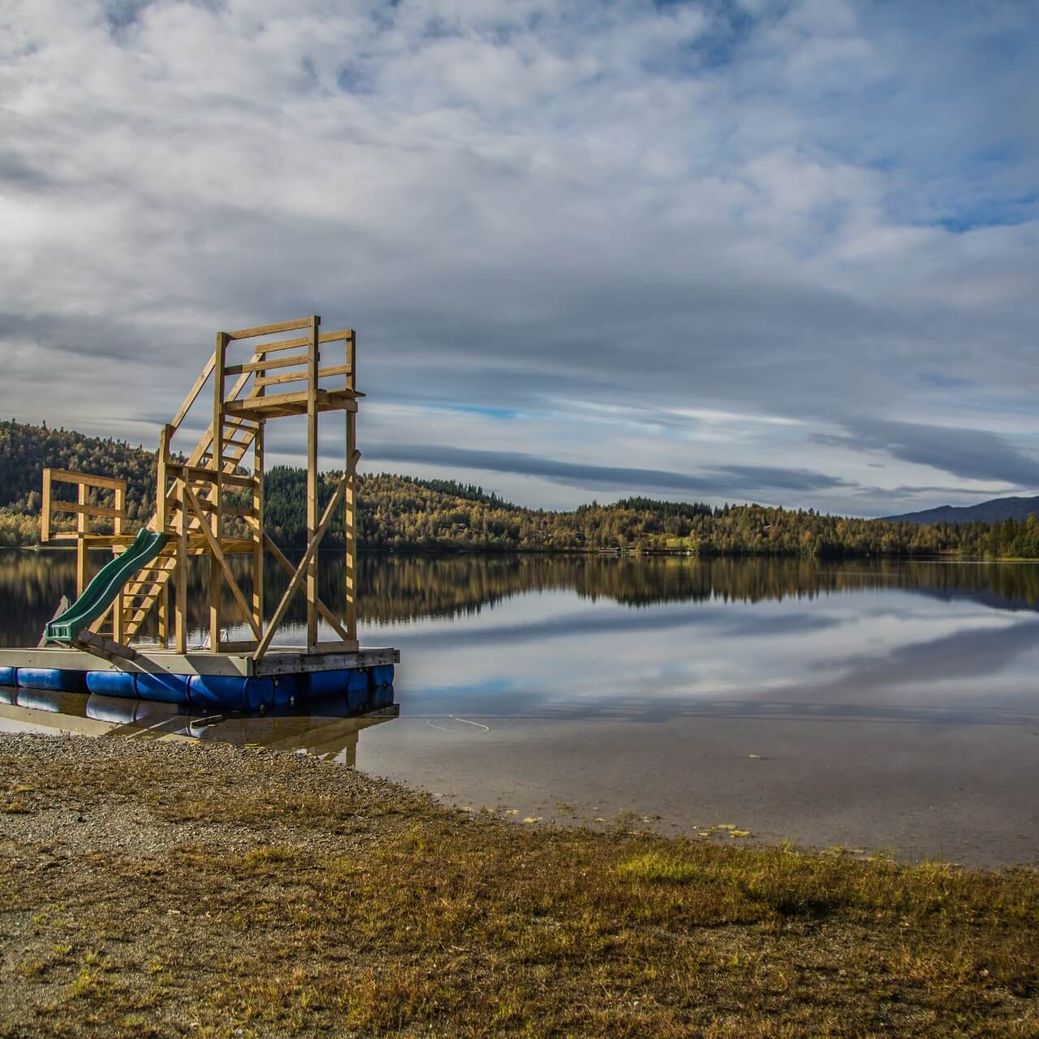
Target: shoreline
[
  {"x": 174, "y": 889},
  {"x": 610, "y": 553}
]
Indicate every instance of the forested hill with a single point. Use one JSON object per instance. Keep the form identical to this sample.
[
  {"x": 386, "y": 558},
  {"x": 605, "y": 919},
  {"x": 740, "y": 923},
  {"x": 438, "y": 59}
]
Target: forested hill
[{"x": 402, "y": 513}]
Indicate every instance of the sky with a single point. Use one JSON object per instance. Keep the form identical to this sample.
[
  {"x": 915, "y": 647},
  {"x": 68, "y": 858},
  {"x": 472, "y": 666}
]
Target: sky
[{"x": 783, "y": 251}]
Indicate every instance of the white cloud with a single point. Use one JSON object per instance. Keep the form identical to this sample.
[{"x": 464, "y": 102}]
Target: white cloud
[{"x": 794, "y": 213}]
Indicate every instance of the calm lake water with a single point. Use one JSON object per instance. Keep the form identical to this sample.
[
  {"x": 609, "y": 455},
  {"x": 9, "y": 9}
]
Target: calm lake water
[{"x": 878, "y": 705}]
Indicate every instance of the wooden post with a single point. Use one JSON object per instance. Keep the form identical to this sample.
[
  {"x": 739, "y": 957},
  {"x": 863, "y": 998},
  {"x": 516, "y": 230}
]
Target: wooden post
[
  {"x": 120, "y": 507},
  {"x": 180, "y": 608},
  {"x": 117, "y": 616},
  {"x": 81, "y": 543},
  {"x": 161, "y": 507},
  {"x": 350, "y": 497},
  {"x": 312, "y": 479},
  {"x": 162, "y": 522},
  {"x": 119, "y": 606},
  {"x": 257, "y": 529},
  {"x": 217, "y": 457},
  {"x": 45, "y": 509}
]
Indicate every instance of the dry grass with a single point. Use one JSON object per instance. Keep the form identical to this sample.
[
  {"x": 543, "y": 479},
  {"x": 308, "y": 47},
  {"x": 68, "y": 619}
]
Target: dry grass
[{"x": 312, "y": 902}]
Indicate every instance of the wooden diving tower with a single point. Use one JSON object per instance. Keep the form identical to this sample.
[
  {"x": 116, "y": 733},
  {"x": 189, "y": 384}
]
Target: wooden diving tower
[{"x": 210, "y": 503}]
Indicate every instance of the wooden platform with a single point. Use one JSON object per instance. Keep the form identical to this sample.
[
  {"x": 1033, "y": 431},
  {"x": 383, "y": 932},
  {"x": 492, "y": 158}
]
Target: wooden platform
[
  {"x": 278, "y": 661},
  {"x": 283, "y": 405}
]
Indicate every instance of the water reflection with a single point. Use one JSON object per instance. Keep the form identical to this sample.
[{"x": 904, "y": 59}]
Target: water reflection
[
  {"x": 326, "y": 730},
  {"x": 401, "y": 589}
]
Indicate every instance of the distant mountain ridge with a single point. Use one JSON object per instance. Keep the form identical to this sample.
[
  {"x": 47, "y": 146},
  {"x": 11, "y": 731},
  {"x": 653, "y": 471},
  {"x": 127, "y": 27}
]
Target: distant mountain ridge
[{"x": 995, "y": 511}]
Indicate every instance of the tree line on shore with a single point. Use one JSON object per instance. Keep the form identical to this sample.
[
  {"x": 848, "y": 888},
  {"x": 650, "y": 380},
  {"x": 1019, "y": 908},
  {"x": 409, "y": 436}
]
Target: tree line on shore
[{"x": 403, "y": 513}]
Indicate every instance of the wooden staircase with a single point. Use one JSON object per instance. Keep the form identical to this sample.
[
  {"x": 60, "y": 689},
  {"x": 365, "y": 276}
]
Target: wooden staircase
[{"x": 238, "y": 437}]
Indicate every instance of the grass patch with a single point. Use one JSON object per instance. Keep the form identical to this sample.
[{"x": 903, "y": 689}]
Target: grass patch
[
  {"x": 655, "y": 868},
  {"x": 379, "y": 914}
]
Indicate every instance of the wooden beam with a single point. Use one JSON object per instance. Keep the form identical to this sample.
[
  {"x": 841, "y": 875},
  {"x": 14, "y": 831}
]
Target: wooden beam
[
  {"x": 283, "y": 379},
  {"x": 111, "y": 483},
  {"x": 97, "y": 511},
  {"x": 291, "y": 344},
  {"x": 221, "y": 561},
  {"x": 280, "y": 380},
  {"x": 257, "y": 530},
  {"x": 102, "y": 647},
  {"x": 338, "y": 369},
  {"x": 193, "y": 393},
  {"x": 199, "y": 473},
  {"x": 244, "y": 511},
  {"x": 350, "y": 531},
  {"x": 353, "y": 456},
  {"x": 216, "y": 435},
  {"x": 266, "y": 330},
  {"x": 312, "y": 479},
  {"x": 302, "y": 569},
  {"x": 120, "y": 508},
  {"x": 180, "y": 601},
  {"x": 262, "y": 366},
  {"x": 45, "y": 510},
  {"x": 294, "y": 403},
  {"x": 81, "y": 548}
]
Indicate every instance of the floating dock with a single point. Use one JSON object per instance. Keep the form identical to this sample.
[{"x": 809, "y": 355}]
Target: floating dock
[
  {"x": 209, "y": 502},
  {"x": 363, "y": 680}
]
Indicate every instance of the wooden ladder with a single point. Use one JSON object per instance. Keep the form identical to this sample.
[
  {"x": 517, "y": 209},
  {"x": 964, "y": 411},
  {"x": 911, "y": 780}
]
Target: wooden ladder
[{"x": 143, "y": 592}]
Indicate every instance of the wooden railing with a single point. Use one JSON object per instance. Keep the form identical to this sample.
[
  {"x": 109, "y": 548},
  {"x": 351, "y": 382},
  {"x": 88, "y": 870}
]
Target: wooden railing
[
  {"x": 84, "y": 510},
  {"x": 87, "y": 514}
]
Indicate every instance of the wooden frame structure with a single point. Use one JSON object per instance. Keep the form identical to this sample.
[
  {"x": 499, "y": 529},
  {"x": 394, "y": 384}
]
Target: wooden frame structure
[
  {"x": 88, "y": 485},
  {"x": 210, "y": 502}
]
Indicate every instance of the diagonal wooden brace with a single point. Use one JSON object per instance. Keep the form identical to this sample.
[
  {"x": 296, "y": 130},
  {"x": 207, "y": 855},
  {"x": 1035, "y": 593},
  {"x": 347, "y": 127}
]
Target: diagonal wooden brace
[
  {"x": 301, "y": 570},
  {"x": 100, "y": 646},
  {"x": 218, "y": 555},
  {"x": 283, "y": 561}
]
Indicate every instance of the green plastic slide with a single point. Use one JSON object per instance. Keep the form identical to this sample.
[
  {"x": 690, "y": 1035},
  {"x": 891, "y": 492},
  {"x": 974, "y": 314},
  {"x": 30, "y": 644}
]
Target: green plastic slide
[{"x": 103, "y": 589}]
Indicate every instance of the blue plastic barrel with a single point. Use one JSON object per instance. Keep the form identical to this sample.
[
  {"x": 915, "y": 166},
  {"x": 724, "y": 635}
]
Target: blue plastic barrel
[
  {"x": 357, "y": 690},
  {"x": 381, "y": 675},
  {"x": 161, "y": 688},
  {"x": 327, "y": 683},
  {"x": 340, "y": 682},
  {"x": 52, "y": 679},
  {"x": 7, "y": 676},
  {"x": 259, "y": 693},
  {"x": 111, "y": 683},
  {"x": 230, "y": 692},
  {"x": 287, "y": 689},
  {"x": 8, "y": 694}
]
